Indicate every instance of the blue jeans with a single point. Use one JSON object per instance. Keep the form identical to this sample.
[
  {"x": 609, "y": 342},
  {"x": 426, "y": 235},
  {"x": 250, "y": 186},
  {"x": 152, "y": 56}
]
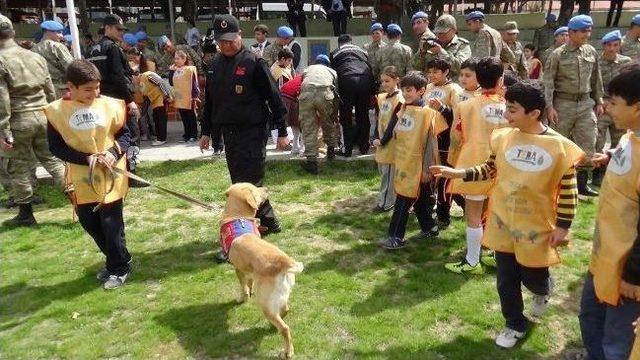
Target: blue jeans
[{"x": 607, "y": 331}]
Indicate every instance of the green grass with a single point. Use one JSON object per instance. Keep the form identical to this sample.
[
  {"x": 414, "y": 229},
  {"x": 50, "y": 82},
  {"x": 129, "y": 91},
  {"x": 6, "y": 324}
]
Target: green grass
[{"x": 353, "y": 301}]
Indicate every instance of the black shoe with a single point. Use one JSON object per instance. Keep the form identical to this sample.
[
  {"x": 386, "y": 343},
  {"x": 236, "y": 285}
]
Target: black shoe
[
  {"x": 583, "y": 189},
  {"x": 269, "y": 226},
  {"x": 310, "y": 166},
  {"x": 364, "y": 150},
  {"x": 597, "y": 175},
  {"x": 221, "y": 257},
  {"x": 331, "y": 153},
  {"x": 431, "y": 233},
  {"x": 393, "y": 243},
  {"x": 443, "y": 223},
  {"x": 344, "y": 153},
  {"x": 24, "y": 217}
]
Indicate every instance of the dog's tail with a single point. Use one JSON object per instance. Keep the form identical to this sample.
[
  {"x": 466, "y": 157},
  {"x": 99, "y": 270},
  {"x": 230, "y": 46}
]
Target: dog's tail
[{"x": 296, "y": 268}]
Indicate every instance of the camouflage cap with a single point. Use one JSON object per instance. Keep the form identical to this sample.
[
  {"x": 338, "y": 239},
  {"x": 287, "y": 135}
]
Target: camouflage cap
[
  {"x": 6, "y": 25},
  {"x": 445, "y": 23},
  {"x": 511, "y": 27}
]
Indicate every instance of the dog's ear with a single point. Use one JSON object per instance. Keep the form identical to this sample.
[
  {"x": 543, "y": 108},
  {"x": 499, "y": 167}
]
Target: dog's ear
[{"x": 255, "y": 196}]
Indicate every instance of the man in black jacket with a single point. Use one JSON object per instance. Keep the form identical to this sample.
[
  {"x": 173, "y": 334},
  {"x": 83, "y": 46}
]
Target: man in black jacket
[
  {"x": 237, "y": 95},
  {"x": 296, "y": 17},
  {"x": 355, "y": 85}
]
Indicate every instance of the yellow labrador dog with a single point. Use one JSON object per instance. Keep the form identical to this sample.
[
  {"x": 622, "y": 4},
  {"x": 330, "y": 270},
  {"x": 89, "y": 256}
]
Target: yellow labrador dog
[{"x": 261, "y": 267}]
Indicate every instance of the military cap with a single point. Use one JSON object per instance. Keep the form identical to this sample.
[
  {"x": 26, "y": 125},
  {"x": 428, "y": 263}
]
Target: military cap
[
  {"x": 611, "y": 36},
  {"x": 68, "y": 39},
  {"x": 51, "y": 25},
  {"x": 141, "y": 36},
  {"x": 394, "y": 29},
  {"x": 225, "y": 27},
  {"x": 551, "y": 18},
  {"x": 376, "y": 26},
  {"x": 6, "y": 25},
  {"x": 636, "y": 19},
  {"x": 322, "y": 59},
  {"x": 130, "y": 39},
  {"x": 445, "y": 23},
  {"x": 162, "y": 41},
  {"x": 284, "y": 32},
  {"x": 580, "y": 22},
  {"x": 419, "y": 15},
  {"x": 561, "y": 30},
  {"x": 114, "y": 20},
  {"x": 474, "y": 15},
  {"x": 511, "y": 27}
]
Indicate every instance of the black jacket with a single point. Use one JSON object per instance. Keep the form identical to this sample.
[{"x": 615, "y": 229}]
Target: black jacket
[
  {"x": 114, "y": 68},
  {"x": 351, "y": 61}
]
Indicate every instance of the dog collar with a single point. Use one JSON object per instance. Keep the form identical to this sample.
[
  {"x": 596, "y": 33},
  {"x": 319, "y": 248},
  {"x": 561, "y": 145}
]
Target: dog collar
[{"x": 233, "y": 229}]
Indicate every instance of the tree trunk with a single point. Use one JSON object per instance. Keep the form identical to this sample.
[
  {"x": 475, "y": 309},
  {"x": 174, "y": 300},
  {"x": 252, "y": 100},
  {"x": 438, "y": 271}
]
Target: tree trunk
[
  {"x": 84, "y": 17},
  {"x": 189, "y": 10}
]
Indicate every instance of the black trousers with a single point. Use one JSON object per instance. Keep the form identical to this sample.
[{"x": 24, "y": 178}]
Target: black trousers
[
  {"x": 339, "y": 20},
  {"x": 299, "y": 21},
  {"x": 510, "y": 278},
  {"x": 189, "y": 123},
  {"x": 160, "y": 120},
  {"x": 355, "y": 92},
  {"x": 443, "y": 206},
  {"x": 106, "y": 227},
  {"x": 615, "y": 5},
  {"x": 216, "y": 138},
  {"x": 246, "y": 153},
  {"x": 422, "y": 207}
]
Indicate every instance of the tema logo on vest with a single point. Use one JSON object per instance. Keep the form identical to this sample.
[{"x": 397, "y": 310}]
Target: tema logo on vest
[
  {"x": 406, "y": 123},
  {"x": 386, "y": 107},
  {"x": 531, "y": 158},
  {"x": 436, "y": 94},
  {"x": 620, "y": 162},
  {"x": 494, "y": 113},
  {"x": 85, "y": 119}
]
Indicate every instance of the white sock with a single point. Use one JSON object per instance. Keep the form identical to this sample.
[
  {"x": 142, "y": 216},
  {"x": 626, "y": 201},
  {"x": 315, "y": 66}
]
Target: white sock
[{"x": 474, "y": 239}]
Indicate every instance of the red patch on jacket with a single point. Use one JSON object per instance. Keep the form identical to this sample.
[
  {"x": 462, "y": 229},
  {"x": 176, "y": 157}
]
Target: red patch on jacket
[{"x": 241, "y": 71}]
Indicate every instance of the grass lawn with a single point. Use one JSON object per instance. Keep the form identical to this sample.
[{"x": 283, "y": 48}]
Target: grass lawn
[{"x": 353, "y": 301}]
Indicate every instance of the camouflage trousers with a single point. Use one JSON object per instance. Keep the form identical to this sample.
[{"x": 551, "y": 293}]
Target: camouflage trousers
[
  {"x": 317, "y": 109},
  {"x": 605, "y": 123},
  {"x": 577, "y": 121},
  {"x": 29, "y": 131}
]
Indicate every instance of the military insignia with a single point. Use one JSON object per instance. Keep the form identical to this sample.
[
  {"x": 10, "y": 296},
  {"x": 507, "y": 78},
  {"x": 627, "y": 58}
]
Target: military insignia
[
  {"x": 241, "y": 71},
  {"x": 223, "y": 24},
  {"x": 239, "y": 89}
]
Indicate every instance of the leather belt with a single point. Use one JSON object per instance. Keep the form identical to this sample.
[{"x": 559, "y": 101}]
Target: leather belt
[{"x": 572, "y": 97}]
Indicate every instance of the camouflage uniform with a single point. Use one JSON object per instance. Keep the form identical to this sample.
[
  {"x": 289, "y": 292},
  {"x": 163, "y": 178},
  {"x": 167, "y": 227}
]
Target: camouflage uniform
[
  {"x": 573, "y": 84},
  {"x": 521, "y": 66},
  {"x": 58, "y": 58},
  {"x": 488, "y": 42},
  {"x": 420, "y": 54},
  {"x": 318, "y": 96},
  {"x": 543, "y": 38},
  {"x": 165, "y": 60},
  {"x": 25, "y": 88},
  {"x": 455, "y": 53},
  {"x": 609, "y": 69},
  {"x": 544, "y": 56},
  {"x": 394, "y": 53},
  {"x": 372, "y": 48},
  {"x": 630, "y": 47}
]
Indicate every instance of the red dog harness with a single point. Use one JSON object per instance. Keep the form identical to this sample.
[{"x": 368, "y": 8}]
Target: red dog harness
[{"x": 233, "y": 230}]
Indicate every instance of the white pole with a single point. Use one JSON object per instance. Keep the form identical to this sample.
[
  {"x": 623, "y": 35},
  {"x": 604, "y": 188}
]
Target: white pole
[
  {"x": 73, "y": 25},
  {"x": 171, "y": 20},
  {"x": 258, "y": 12},
  {"x": 110, "y": 7},
  {"x": 230, "y": 12},
  {"x": 54, "y": 10}
]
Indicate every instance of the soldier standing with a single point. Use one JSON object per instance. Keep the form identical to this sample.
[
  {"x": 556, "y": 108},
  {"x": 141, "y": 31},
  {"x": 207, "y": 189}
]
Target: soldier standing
[
  {"x": 285, "y": 38},
  {"x": 167, "y": 50},
  {"x": 145, "y": 48},
  {"x": 393, "y": 54},
  {"x": 560, "y": 38},
  {"x": 573, "y": 90},
  {"x": 630, "y": 42},
  {"x": 55, "y": 53},
  {"x": 488, "y": 41},
  {"x": 377, "y": 32},
  {"x": 543, "y": 37},
  {"x": 25, "y": 89},
  {"x": 420, "y": 25},
  {"x": 449, "y": 47},
  {"x": 510, "y": 36}
]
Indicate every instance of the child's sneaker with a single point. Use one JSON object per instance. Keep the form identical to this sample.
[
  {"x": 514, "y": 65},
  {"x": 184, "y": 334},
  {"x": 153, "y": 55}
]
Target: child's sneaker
[
  {"x": 393, "y": 243},
  {"x": 541, "y": 302},
  {"x": 115, "y": 281},
  {"x": 488, "y": 258},
  {"x": 158, "y": 143},
  {"x": 508, "y": 338},
  {"x": 463, "y": 267},
  {"x": 431, "y": 233},
  {"x": 103, "y": 275}
]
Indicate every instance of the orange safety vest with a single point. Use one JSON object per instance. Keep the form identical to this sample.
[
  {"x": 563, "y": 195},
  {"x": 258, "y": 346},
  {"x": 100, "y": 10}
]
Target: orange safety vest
[
  {"x": 523, "y": 204},
  {"x": 91, "y": 129},
  {"x": 386, "y": 106},
  {"x": 183, "y": 84},
  {"x": 411, "y": 132},
  {"x": 616, "y": 224},
  {"x": 478, "y": 117}
]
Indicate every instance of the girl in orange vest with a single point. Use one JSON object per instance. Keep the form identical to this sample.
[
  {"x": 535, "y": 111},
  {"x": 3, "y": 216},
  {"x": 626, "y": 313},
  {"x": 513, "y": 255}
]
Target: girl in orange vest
[
  {"x": 611, "y": 292},
  {"x": 532, "y": 205},
  {"x": 184, "y": 78}
]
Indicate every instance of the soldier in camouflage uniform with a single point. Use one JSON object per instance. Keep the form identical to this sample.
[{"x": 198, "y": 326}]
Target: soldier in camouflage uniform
[
  {"x": 543, "y": 37},
  {"x": 488, "y": 41},
  {"x": 394, "y": 53},
  {"x": 146, "y": 48},
  {"x": 510, "y": 37},
  {"x": 630, "y": 43},
  {"x": 318, "y": 96},
  {"x": 420, "y": 24},
  {"x": 561, "y": 35},
  {"x": 610, "y": 63},
  {"x": 167, "y": 51},
  {"x": 449, "y": 47},
  {"x": 55, "y": 53},
  {"x": 25, "y": 88},
  {"x": 573, "y": 89},
  {"x": 377, "y": 32}
]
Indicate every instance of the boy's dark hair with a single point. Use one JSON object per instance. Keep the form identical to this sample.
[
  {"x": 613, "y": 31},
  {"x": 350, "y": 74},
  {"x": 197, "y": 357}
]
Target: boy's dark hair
[
  {"x": 625, "y": 84},
  {"x": 510, "y": 78},
  {"x": 414, "y": 79},
  {"x": 528, "y": 94},
  {"x": 391, "y": 71},
  {"x": 344, "y": 39},
  {"x": 530, "y": 47},
  {"x": 488, "y": 72},
  {"x": 82, "y": 71},
  {"x": 439, "y": 64},
  {"x": 261, "y": 28},
  {"x": 470, "y": 63},
  {"x": 285, "y": 53}
]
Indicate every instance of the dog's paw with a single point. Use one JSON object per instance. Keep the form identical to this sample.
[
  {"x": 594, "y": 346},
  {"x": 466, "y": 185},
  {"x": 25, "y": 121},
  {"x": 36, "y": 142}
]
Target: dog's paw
[{"x": 286, "y": 355}]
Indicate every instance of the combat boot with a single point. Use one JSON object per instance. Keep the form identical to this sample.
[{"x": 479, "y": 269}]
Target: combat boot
[
  {"x": 24, "y": 218},
  {"x": 310, "y": 166},
  {"x": 583, "y": 189},
  {"x": 331, "y": 153}
]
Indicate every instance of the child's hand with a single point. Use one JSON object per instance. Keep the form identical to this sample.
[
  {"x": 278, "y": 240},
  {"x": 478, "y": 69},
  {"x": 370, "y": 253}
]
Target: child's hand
[
  {"x": 376, "y": 142},
  {"x": 446, "y": 172},
  {"x": 435, "y": 104},
  {"x": 559, "y": 237},
  {"x": 599, "y": 160}
]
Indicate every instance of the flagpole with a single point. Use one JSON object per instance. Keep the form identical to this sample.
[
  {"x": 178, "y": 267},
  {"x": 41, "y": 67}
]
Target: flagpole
[{"x": 73, "y": 26}]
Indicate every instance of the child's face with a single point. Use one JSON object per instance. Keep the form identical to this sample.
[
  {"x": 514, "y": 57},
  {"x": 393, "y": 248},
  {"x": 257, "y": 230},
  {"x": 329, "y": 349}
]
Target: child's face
[
  {"x": 411, "y": 94},
  {"x": 468, "y": 79},
  {"x": 624, "y": 116},
  {"x": 389, "y": 84},
  {"x": 85, "y": 93},
  {"x": 437, "y": 76},
  {"x": 179, "y": 60},
  {"x": 518, "y": 118},
  {"x": 284, "y": 62},
  {"x": 528, "y": 53}
]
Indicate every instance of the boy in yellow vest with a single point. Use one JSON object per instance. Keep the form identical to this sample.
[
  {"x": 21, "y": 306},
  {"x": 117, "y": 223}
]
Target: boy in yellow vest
[
  {"x": 611, "y": 294},
  {"x": 531, "y": 207},
  {"x": 160, "y": 93},
  {"x": 87, "y": 132},
  {"x": 478, "y": 117},
  {"x": 470, "y": 89},
  {"x": 415, "y": 136}
]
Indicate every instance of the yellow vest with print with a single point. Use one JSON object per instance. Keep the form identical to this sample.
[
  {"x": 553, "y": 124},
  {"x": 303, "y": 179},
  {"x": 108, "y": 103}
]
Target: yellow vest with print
[
  {"x": 151, "y": 90},
  {"x": 635, "y": 352},
  {"x": 447, "y": 94},
  {"x": 411, "y": 132},
  {"x": 455, "y": 135},
  {"x": 386, "y": 106},
  {"x": 523, "y": 204},
  {"x": 183, "y": 85},
  {"x": 616, "y": 224},
  {"x": 91, "y": 129},
  {"x": 479, "y": 116}
]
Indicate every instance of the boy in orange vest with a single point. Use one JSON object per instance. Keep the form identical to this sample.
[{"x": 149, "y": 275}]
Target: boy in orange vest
[
  {"x": 87, "y": 132},
  {"x": 611, "y": 293},
  {"x": 532, "y": 204}
]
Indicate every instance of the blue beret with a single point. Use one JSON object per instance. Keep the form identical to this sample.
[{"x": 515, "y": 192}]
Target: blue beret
[
  {"x": 51, "y": 25},
  {"x": 636, "y": 19},
  {"x": 141, "y": 35},
  {"x": 322, "y": 59},
  {"x": 612, "y": 36},
  {"x": 419, "y": 15},
  {"x": 474, "y": 15},
  {"x": 551, "y": 18},
  {"x": 162, "y": 41},
  {"x": 68, "y": 38},
  {"x": 394, "y": 29},
  {"x": 284, "y": 32},
  {"x": 376, "y": 26},
  {"x": 561, "y": 30},
  {"x": 130, "y": 39},
  {"x": 580, "y": 22}
]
